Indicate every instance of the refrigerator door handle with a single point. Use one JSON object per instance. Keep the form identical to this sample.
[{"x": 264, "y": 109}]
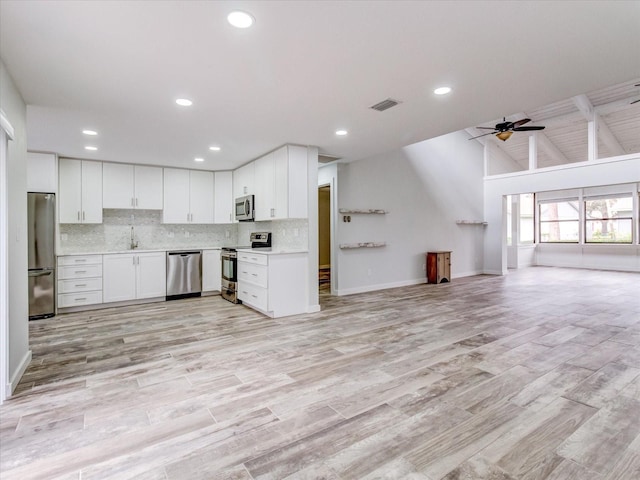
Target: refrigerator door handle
[{"x": 41, "y": 273}]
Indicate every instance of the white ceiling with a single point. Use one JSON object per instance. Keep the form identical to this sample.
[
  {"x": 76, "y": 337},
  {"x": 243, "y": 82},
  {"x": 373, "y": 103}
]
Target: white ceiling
[{"x": 304, "y": 70}]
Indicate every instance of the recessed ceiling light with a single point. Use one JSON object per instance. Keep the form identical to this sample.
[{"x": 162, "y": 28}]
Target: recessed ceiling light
[
  {"x": 93, "y": 149},
  {"x": 240, "y": 19},
  {"x": 89, "y": 132},
  {"x": 442, "y": 90},
  {"x": 198, "y": 159},
  {"x": 214, "y": 149},
  {"x": 184, "y": 102},
  {"x": 341, "y": 133}
]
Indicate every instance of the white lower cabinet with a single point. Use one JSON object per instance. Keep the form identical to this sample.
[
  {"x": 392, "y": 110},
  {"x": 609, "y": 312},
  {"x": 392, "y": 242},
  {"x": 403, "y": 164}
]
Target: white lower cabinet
[
  {"x": 211, "y": 271},
  {"x": 273, "y": 284},
  {"x": 79, "y": 280},
  {"x": 132, "y": 276}
]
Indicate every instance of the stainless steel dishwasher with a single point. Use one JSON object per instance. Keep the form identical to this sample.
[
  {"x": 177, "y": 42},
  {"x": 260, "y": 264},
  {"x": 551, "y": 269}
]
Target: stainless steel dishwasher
[{"x": 184, "y": 274}]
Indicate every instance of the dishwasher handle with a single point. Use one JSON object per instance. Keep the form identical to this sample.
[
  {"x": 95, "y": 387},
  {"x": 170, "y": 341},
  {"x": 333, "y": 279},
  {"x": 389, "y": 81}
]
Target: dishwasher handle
[{"x": 184, "y": 254}]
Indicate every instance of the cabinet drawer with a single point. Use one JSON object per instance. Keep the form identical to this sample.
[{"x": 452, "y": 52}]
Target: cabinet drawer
[
  {"x": 78, "y": 299},
  {"x": 80, "y": 260},
  {"x": 253, "y": 273},
  {"x": 79, "y": 271},
  {"x": 253, "y": 295},
  {"x": 79, "y": 285},
  {"x": 256, "y": 258}
]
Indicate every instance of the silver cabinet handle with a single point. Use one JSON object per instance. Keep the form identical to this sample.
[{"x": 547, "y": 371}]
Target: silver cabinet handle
[
  {"x": 83, "y": 215},
  {"x": 273, "y": 212},
  {"x": 78, "y": 215},
  {"x": 80, "y": 285},
  {"x": 80, "y": 260},
  {"x": 132, "y": 201},
  {"x": 254, "y": 296},
  {"x": 81, "y": 271},
  {"x": 80, "y": 298},
  {"x": 254, "y": 274},
  {"x": 136, "y": 201}
]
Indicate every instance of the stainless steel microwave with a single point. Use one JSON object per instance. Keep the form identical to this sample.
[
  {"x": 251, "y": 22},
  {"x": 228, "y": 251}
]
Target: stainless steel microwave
[{"x": 244, "y": 209}]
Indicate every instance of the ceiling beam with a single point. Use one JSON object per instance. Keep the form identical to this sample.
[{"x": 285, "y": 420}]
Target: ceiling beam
[
  {"x": 546, "y": 145},
  {"x": 599, "y": 126}
]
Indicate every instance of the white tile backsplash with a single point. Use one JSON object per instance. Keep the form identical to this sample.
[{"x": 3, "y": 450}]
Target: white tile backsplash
[{"x": 114, "y": 234}]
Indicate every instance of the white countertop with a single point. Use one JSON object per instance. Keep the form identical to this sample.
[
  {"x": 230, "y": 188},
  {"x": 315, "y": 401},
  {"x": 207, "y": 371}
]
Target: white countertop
[
  {"x": 271, "y": 252},
  {"x": 136, "y": 250}
]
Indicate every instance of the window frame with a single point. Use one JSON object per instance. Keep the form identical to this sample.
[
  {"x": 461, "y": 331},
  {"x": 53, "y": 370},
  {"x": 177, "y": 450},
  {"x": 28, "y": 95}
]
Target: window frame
[
  {"x": 577, "y": 220},
  {"x": 587, "y": 220}
]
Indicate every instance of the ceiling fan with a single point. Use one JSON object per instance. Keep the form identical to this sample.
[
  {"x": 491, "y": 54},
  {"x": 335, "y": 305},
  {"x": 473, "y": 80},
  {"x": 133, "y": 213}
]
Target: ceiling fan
[{"x": 505, "y": 129}]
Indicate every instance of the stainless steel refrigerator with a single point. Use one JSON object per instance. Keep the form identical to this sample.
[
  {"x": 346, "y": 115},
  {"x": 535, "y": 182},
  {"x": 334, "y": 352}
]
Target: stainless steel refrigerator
[{"x": 41, "y": 217}]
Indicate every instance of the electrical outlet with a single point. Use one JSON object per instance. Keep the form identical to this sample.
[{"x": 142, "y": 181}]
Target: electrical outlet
[
  {"x": 424, "y": 267},
  {"x": 64, "y": 237},
  {"x": 296, "y": 232},
  {"x": 227, "y": 234},
  {"x": 170, "y": 234},
  {"x": 187, "y": 234}
]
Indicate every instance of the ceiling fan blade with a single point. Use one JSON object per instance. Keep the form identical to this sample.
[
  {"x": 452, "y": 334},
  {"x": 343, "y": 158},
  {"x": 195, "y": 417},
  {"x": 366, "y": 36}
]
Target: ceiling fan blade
[
  {"x": 527, "y": 129},
  {"x": 521, "y": 122},
  {"x": 487, "y": 128},
  {"x": 483, "y": 135}
]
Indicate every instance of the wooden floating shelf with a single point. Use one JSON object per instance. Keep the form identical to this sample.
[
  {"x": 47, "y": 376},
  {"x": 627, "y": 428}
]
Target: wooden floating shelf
[
  {"x": 347, "y": 246},
  {"x": 370, "y": 211},
  {"x": 471, "y": 222}
]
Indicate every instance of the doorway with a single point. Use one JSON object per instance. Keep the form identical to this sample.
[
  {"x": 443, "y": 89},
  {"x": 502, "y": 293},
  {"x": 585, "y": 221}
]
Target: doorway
[{"x": 324, "y": 239}]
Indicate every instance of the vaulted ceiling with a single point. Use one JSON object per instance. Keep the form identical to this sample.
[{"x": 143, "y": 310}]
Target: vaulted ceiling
[
  {"x": 306, "y": 69},
  {"x": 564, "y": 139}
]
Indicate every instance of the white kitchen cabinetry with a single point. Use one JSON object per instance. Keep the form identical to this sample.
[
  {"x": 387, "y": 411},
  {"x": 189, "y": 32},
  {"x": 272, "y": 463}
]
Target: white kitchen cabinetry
[
  {"x": 80, "y": 191},
  {"x": 131, "y": 186},
  {"x": 281, "y": 184},
  {"x": 188, "y": 196},
  {"x": 79, "y": 280},
  {"x": 223, "y": 197},
  {"x": 273, "y": 284},
  {"x": 131, "y": 276},
  {"x": 244, "y": 180},
  {"x": 211, "y": 270}
]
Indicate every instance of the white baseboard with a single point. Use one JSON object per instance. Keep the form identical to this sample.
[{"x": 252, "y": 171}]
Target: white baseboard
[
  {"x": 313, "y": 309},
  {"x": 380, "y": 286},
  {"x": 494, "y": 272},
  {"x": 15, "y": 378},
  {"x": 467, "y": 274}
]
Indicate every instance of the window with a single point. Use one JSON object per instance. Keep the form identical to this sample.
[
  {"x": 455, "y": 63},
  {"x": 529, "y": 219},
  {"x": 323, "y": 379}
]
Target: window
[
  {"x": 559, "y": 221},
  {"x": 526, "y": 218},
  {"x": 608, "y": 219}
]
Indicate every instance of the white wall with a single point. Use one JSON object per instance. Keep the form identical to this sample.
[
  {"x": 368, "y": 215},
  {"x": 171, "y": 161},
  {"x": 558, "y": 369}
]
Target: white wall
[
  {"x": 425, "y": 187},
  {"x": 611, "y": 171},
  {"x": 13, "y": 105}
]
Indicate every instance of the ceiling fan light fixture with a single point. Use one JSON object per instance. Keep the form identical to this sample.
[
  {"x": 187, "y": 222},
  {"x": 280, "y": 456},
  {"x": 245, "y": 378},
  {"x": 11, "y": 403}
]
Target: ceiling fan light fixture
[{"x": 504, "y": 136}]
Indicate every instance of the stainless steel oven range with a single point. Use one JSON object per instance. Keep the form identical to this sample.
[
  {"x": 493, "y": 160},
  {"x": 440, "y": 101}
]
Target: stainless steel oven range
[{"x": 229, "y": 259}]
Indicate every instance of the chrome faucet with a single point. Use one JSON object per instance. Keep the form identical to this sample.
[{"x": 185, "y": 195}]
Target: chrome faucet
[{"x": 134, "y": 244}]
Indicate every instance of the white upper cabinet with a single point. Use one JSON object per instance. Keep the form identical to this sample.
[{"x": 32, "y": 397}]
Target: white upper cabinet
[
  {"x": 201, "y": 196},
  {"x": 244, "y": 180},
  {"x": 188, "y": 196},
  {"x": 281, "y": 184},
  {"x": 80, "y": 191},
  {"x": 223, "y": 192},
  {"x": 129, "y": 186}
]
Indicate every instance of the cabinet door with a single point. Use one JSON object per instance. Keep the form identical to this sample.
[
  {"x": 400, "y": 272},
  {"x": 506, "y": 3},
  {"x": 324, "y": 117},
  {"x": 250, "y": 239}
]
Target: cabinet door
[
  {"x": 201, "y": 197},
  {"x": 148, "y": 188},
  {"x": 296, "y": 186},
  {"x": 223, "y": 197},
  {"x": 243, "y": 180},
  {"x": 176, "y": 196},
  {"x": 211, "y": 271},
  {"x": 281, "y": 183},
  {"x": 119, "y": 277},
  {"x": 264, "y": 188},
  {"x": 69, "y": 190},
  {"x": 91, "y": 192},
  {"x": 151, "y": 275},
  {"x": 117, "y": 184}
]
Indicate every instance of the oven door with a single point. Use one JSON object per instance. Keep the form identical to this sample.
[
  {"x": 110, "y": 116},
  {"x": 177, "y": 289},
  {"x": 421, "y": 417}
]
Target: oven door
[{"x": 229, "y": 266}]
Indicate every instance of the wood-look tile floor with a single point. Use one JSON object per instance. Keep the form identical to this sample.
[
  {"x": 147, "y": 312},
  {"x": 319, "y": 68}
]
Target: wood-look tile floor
[{"x": 534, "y": 375}]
